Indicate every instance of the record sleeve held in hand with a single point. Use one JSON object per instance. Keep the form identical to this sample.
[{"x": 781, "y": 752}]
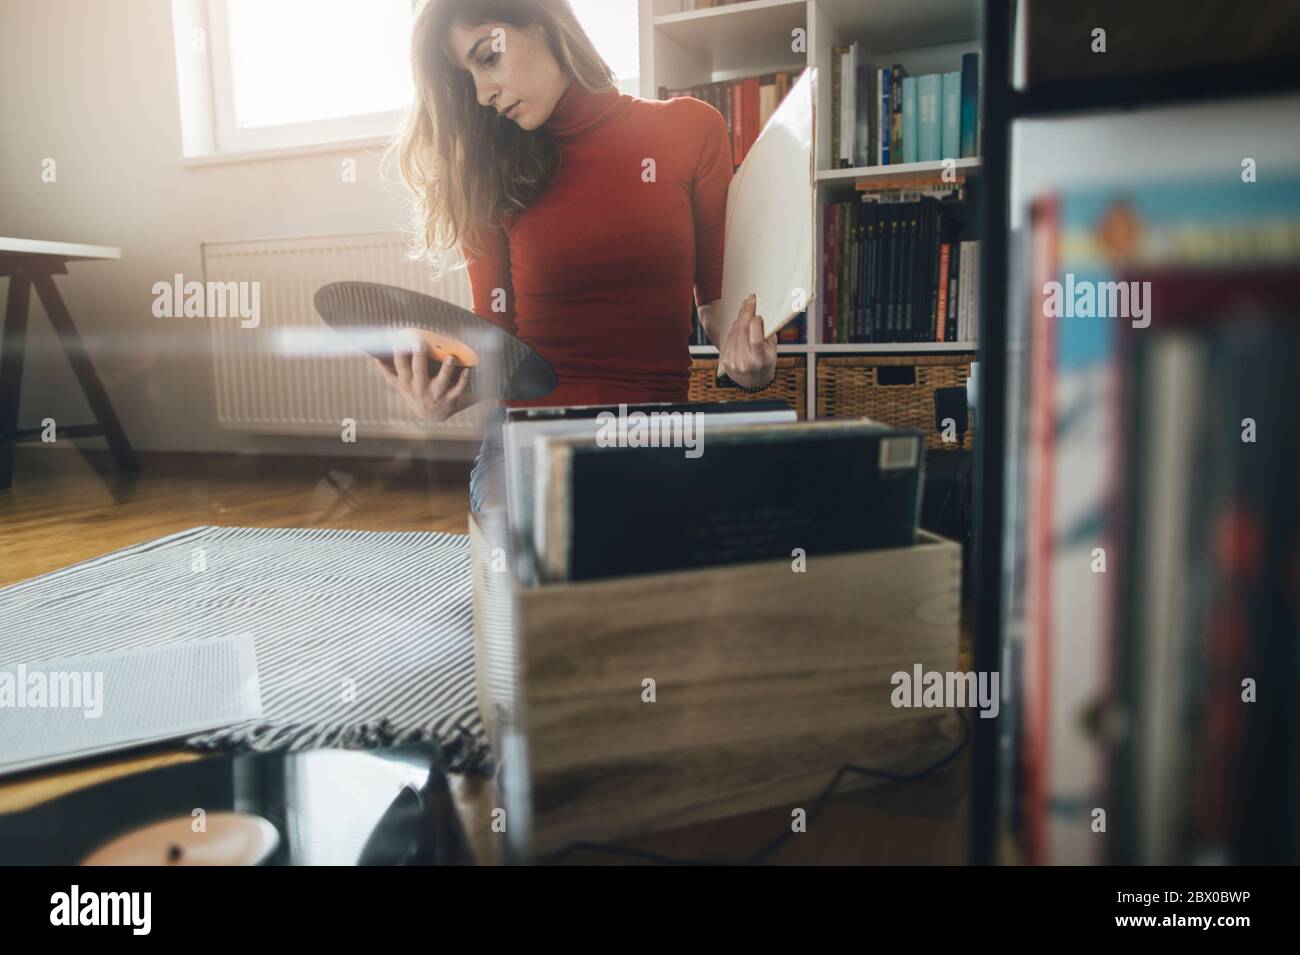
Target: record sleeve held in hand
[{"x": 381, "y": 319}]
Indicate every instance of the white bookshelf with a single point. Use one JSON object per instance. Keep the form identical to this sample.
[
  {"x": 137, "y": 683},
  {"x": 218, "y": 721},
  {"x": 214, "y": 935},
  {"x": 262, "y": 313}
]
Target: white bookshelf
[
  {"x": 902, "y": 170},
  {"x": 682, "y": 48}
]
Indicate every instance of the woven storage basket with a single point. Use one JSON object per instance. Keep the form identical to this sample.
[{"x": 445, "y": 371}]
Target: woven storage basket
[
  {"x": 788, "y": 385},
  {"x": 852, "y": 387}
]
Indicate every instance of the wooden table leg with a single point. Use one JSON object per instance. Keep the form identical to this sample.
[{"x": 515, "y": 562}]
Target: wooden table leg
[
  {"x": 12, "y": 347},
  {"x": 85, "y": 372}
]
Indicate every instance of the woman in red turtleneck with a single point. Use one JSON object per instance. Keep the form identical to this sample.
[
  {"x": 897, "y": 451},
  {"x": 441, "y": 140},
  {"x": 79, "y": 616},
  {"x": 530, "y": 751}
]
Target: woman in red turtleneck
[{"x": 588, "y": 218}]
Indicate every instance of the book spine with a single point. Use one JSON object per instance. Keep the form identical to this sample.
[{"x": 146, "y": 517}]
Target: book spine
[
  {"x": 842, "y": 313},
  {"x": 837, "y": 94},
  {"x": 927, "y": 99},
  {"x": 963, "y": 302},
  {"x": 904, "y": 270},
  {"x": 896, "y": 112},
  {"x": 724, "y": 96},
  {"x": 900, "y": 285},
  {"x": 883, "y": 282},
  {"x": 766, "y": 99},
  {"x": 954, "y": 272},
  {"x": 849, "y": 119},
  {"x": 826, "y": 272},
  {"x": 914, "y": 265},
  {"x": 839, "y": 273},
  {"x": 950, "y": 116},
  {"x": 871, "y": 145},
  {"x": 870, "y": 213},
  {"x": 846, "y": 274},
  {"x": 752, "y": 126},
  {"x": 882, "y": 124},
  {"x": 909, "y": 119},
  {"x": 887, "y": 275},
  {"x": 970, "y": 82},
  {"x": 933, "y": 241},
  {"x": 932, "y": 264},
  {"x": 941, "y": 331},
  {"x": 833, "y": 292},
  {"x": 862, "y": 130},
  {"x": 738, "y": 122},
  {"x": 860, "y": 315},
  {"x": 855, "y": 288},
  {"x": 868, "y": 228},
  {"x": 838, "y": 265},
  {"x": 892, "y": 291},
  {"x": 864, "y": 278},
  {"x": 865, "y": 273}
]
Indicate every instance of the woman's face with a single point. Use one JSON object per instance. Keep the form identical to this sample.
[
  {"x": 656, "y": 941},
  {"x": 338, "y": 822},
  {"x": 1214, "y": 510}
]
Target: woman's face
[{"x": 513, "y": 69}]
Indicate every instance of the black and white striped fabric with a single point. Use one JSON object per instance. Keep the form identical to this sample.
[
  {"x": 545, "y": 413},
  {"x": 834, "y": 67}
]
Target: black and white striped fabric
[{"x": 364, "y": 638}]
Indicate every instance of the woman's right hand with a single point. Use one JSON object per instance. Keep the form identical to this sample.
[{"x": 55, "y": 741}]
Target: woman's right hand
[{"x": 433, "y": 398}]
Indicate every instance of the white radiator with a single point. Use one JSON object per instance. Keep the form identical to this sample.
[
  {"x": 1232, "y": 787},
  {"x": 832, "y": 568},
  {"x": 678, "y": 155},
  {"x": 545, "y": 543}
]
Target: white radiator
[{"x": 260, "y": 387}]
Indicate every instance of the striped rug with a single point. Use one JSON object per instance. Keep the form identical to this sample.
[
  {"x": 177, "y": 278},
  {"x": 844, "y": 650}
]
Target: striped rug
[{"x": 364, "y": 638}]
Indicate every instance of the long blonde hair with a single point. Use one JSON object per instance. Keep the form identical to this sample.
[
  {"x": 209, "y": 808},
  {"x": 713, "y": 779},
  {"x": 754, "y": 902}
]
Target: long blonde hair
[{"x": 465, "y": 165}]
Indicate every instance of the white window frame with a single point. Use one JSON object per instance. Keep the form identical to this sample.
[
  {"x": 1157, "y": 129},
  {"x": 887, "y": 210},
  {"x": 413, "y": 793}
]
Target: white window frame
[
  {"x": 315, "y": 132},
  {"x": 206, "y": 89}
]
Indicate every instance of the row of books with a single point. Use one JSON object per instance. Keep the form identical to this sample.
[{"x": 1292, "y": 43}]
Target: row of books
[
  {"x": 882, "y": 117},
  {"x": 1153, "y": 634},
  {"x": 898, "y": 270},
  {"x": 745, "y": 104}
]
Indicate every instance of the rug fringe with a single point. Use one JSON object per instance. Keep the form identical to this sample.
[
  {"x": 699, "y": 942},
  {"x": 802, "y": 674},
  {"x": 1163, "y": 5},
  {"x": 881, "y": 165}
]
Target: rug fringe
[{"x": 462, "y": 750}]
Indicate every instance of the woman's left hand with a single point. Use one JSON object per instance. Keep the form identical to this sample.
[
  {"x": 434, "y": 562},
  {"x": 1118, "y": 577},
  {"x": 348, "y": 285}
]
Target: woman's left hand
[{"x": 747, "y": 357}]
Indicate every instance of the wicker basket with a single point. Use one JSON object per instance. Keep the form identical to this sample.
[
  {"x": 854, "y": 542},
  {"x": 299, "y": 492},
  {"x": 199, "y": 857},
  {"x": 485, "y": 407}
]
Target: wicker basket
[
  {"x": 902, "y": 396},
  {"x": 788, "y": 385}
]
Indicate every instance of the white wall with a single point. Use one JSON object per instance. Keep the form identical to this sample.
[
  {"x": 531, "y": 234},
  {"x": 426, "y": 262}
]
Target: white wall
[{"x": 92, "y": 85}]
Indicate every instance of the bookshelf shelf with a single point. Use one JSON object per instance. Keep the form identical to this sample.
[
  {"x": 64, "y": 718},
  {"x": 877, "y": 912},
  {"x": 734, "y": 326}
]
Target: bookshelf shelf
[
  {"x": 712, "y": 14},
  {"x": 726, "y": 42},
  {"x": 900, "y": 26},
  {"x": 895, "y": 171},
  {"x": 892, "y": 348},
  {"x": 857, "y": 348},
  {"x": 710, "y": 351}
]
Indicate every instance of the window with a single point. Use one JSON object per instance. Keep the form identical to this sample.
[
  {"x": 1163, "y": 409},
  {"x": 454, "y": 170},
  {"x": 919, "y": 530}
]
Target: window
[
  {"x": 615, "y": 30},
  {"x": 296, "y": 72},
  {"x": 257, "y": 75}
]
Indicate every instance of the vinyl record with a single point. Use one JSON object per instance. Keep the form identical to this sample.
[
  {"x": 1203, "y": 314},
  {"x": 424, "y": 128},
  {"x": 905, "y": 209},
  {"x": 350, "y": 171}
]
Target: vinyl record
[
  {"x": 227, "y": 838},
  {"x": 318, "y": 807},
  {"x": 381, "y": 319}
]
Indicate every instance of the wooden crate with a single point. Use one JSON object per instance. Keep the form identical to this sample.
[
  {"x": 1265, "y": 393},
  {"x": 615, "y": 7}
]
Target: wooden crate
[
  {"x": 766, "y": 682},
  {"x": 857, "y": 386},
  {"x": 788, "y": 384}
]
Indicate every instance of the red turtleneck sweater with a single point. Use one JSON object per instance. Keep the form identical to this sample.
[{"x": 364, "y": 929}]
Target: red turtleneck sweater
[{"x": 598, "y": 274}]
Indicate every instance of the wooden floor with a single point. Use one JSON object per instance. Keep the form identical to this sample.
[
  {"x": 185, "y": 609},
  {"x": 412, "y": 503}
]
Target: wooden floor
[{"x": 64, "y": 508}]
